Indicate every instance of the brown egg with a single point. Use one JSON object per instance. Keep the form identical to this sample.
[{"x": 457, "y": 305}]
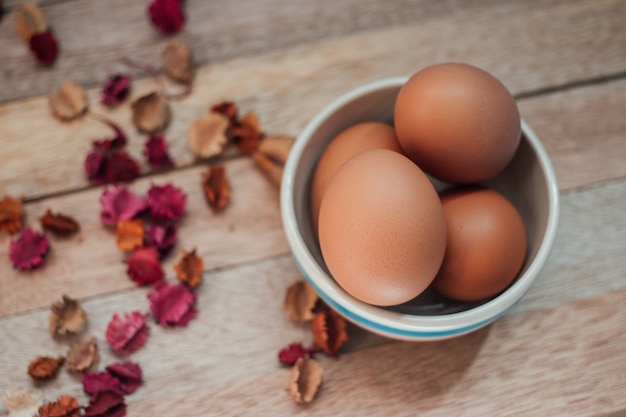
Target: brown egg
[
  {"x": 457, "y": 122},
  {"x": 486, "y": 244},
  {"x": 360, "y": 137},
  {"x": 381, "y": 228}
]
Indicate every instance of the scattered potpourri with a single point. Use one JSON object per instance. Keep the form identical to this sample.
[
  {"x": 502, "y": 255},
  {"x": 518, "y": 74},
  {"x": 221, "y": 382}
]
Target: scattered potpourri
[
  {"x": 167, "y": 15},
  {"x": 189, "y": 269},
  {"x": 64, "y": 406},
  {"x": 119, "y": 203},
  {"x": 177, "y": 61},
  {"x": 67, "y": 317},
  {"x": 329, "y": 331},
  {"x": 101, "y": 381},
  {"x": 207, "y": 136},
  {"x": 69, "y": 102},
  {"x": 11, "y": 214},
  {"x": 300, "y": 301},
  {"x": 116, "y": 90},
  {"x": 128, "y": 374},
  {"x": 166, "y": 203},
  {"x": 127, "y": 334},
  {"x": 44, "y": 368},
  {"x": 106, "y": 404},
  {"x": 294, "y": 351},
  {"x": 59, "y": 224},
  {"x": 216, "y": 187},
  {"x": 83, "y": 355},
  {"x": 304, "y": 380},
  {"x": 28, "y": 250},
  {"x": 144, "y": 267},
  {"x": 22, "y": 403},
  {"x": 155, "y": 151},
  {"x": 172, "y": 304},
  {"x": 130, "y": 234},
  {"x": 162, "y": 238},
  {"x": 271, "y": 156},
  {"x": 151, "y": 113},
  {"x": 33, "y": 27}
]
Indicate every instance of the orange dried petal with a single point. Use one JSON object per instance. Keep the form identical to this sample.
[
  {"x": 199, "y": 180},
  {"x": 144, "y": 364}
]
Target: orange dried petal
[
  {"x": 130, "y": 234},
  {"x": 43, "y": 368},
  {"x": 11, "y": 214},
  {"x": 207, "y": 135},
  {"x": 151, "y": 113},
  {"x": 64, "y": 406},
  {"x": 189, "y": 269},
  {"x": 329, "y": 331},
  {"x": 305, "y": 379},
  {"x": 68, "y": 102},
  {"x": 83, "y": 356},
  {"x": 216, "y": 187},
  {"x": 247, "y": 134},
  {"x": 67, "y": 317},
  {"x": 177, "y": 61},
  {"x": 300, "y": 300}
]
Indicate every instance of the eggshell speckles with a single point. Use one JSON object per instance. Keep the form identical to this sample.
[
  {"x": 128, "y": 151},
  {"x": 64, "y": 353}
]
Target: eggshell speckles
[
  {"x": 382, "y": 230},
  {"x": 457, "y": 122},
  {"x": 486, "y": 244}
]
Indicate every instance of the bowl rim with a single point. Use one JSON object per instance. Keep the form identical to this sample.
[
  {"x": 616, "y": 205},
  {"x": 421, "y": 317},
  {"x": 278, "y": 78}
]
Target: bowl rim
[{"x": 389, "y": 323}]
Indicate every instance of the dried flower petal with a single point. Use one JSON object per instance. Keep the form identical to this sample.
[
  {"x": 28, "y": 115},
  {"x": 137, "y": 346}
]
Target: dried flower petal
[
  {"x": 127, "y": 334},
  {"x": 68, "y": 102},
  {"x": 144, "y": 267},
  {"x": 64, "y": 406},
  {"x": 45, "y": 47},
  {"x": 128, "y": 374},
  {"x": 216, "y": 187},
  {"x": 172, "y": 305},
  {"x": 116, "y": 142},
  {"x": 11, "y": 214},
  {"x": 294, "y": 351},
  {"x": 43, "y": 368},
  {"x": 59, "y": 224},
  {"x": 129, "y": 234},
  {"x": 177, "y": 61},
  {"x": 304, "y": 380},
  {"x": 102, "y": 381},
  {"x": 106, "y": 404},
  {"x": 207, "y": 135},
  {"x": 83, "y": 356},
  {"x": 228, "y": 109},
  {"x": 28, "y": 250},
  {"x": 151, "y": 113},
  {"x": 22, "y": 403},
  {"x": 247, "y": 134},
  {"x": 120, "y": 167},
  {"x": 95, "y": 166},
  {"x": 67, "y": 317},
  {"x": 329, "y": 331},
  {"x": 189, "y": 269},
  {"x": 166, "y": 203},
  {"x": 30, "y": 20},
  {"x": 115, "y": 90},
  {"x": 119, "y": 203},
  {"x": 155, "y": 150},
  {"x": 271, "y": 156},
  {"x": 162, "y": 238},
  {"x": 167, "y": 15},
  {"x": 300, "y": 300}
]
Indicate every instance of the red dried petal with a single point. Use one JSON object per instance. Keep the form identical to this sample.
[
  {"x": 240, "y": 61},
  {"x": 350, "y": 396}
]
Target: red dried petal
[
  {"x": 28, "y": 250},
  {"x": 119, "y": 203},
  {"x": 95, "y": 166},
  {"x": 144, "y": 267},
  {"x": 167, "y": 15},
  {"x": 45, "y": 47},
  {"x": 106, "y": 404},
  {"x": 172, "y": 304},
  {"x": 155, "y": 151},
  {"x": 166, "y": 203},
  {"x": 120, "y": 167},
  {"x": 294, "y": 351},
  {"x": 128, "y": 374},
  {"x": 162, "y": 238},
  {"x": 115, "y": 90},
  {"x": 59, "y": 224},
  {"x": 127, "y": 334},
  {"x": 102, "y": 381}
]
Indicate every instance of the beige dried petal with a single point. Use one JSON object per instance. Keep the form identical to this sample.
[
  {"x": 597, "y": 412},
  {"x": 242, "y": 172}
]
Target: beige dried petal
[
  {"x": 207, "y": 135},
  {"x": 30, "y": 20},
  {"x": 67, "y": 317},
  {"x": 300, "y": 300},
  {"x": 177, "y": 61},
  {"x": 22, "y": 403},
  {"x": 83, "y": 356},
  {"x": 151, "y": 113},
  {"x": 271, "y": 156},
  {"x": 68, "y": 102},
  {"x": 304, "y": 380}
]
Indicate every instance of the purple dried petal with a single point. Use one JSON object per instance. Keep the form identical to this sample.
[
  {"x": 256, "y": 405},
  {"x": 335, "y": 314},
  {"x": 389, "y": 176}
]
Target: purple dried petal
[
  {"x": 28, "y": 250},
  {"x": 45, "y": 47},
  {"x": 172, "y": 304},
  {"x": 155, "y": 151},
  {"x": 166, "y": 203},
  {"x": 119, "y": 203},
  {"x": 162, "y": 238},
  {"x": 167, "y": 15},
  {"x": 128, "y": 374},
  {"x": 102, "y": 381},
  {"x": 115, "y": 90}
]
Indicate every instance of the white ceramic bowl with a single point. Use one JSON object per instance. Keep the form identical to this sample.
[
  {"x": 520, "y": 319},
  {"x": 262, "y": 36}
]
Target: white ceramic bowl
[{"x": 528, "y": 182}]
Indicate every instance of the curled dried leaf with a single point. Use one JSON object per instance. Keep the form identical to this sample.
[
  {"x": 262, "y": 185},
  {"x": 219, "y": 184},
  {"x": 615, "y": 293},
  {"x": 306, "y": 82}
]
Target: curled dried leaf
[
  {"x": 271, "y": 156},
  {"x": 189, "y": 269},
  {"x": 83, "y": 356},
  {"x": 67, "y": 317},
  {"x": 30, "y": 20},
  {"x": 68, "y": 102},
  {"x": 247, "y": 134},
  {"x": 11, "y": 214},
  {"x": 300, "y": 300},
  {"x": 151, "y": 113},
  {"x": 207, "y": 135},
  {"x": 59, "y": 224},
  {"x": 177, "y": 61},
  {"x": 64, "y": 406},
  {"x": 129, "y": 234},
  {"x": 216, "y": 187},
  {"x": 22, "y": 403},
  {"x": 44, "y": 368},
  {"x": 304, "y": 380},
  {"x": 329, "y": 331}
]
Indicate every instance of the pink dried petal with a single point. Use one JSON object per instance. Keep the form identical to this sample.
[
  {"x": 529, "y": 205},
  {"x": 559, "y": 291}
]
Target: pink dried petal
[
  {"x": 128, "y": 374},
  {"x": 45, "y": 47},
  {"x": 166, "y": 203},
  {"x": 167, "y": 15},
  {"x": 144, "y": 267},
  {"x": 162, "y": 238},
  {"x": 294, "y": 351},
  {"x": 106, "y": 404},
  {"x": 115, "y": 90},
  {"x": 120, "y": 167},
  {"x": 102, "y": 381},
  {"x": 126, "y": 335},
  {"x": 28, "y": 250},
  {"x": 119, "y": 203},
  {"x": 156, "y": 151},
  {"x": 172, "y": 304},
  {"x": 95, "y": 166}
]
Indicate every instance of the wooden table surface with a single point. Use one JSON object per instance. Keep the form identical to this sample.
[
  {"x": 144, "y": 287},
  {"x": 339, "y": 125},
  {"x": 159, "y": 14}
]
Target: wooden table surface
[{"x": 560, "y": 351}]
